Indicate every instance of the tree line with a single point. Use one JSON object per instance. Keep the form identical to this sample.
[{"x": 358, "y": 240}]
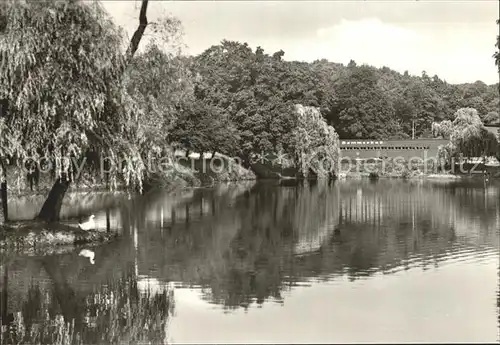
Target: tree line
[
  {"x": 256, "y": 91},
  {"x": 71, "y": 90}
]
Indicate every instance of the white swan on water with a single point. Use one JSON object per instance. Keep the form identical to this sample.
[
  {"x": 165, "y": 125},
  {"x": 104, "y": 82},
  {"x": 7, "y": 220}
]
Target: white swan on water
[
  {"x": 88, "y": 254},
  {"x": 88, "y": 225}
]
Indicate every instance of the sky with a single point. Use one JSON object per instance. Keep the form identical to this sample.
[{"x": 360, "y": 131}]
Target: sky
[{"x": 453, "y": 39}]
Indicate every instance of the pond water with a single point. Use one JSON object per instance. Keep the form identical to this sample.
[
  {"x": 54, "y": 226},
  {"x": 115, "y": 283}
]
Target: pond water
[{"x": 349, "y": 261}]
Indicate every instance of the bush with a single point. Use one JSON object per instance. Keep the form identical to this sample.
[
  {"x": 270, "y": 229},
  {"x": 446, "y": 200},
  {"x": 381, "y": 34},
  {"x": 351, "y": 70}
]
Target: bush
[
  {"x": 176, "y": 176},
  {"x": 406, "y": 174}
]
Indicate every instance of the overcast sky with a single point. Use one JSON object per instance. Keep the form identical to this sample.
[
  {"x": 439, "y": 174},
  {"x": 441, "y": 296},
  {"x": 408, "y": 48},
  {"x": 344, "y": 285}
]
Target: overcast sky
[{"x": 453, "y": 39}]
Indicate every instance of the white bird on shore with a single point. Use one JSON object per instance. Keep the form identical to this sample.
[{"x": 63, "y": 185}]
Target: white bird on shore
[
  {"x": 88, "y": 254},
  {"x": 88, "y": 225}
]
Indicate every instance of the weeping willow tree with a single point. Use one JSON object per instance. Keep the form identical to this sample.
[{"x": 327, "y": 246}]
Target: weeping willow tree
[
  {"x": 160, "y": 87},
  {"x": 7, "y": 145},
  {"x": 496, "y": 56},
  {"x": 442, "y": 129},
  {"x": 445, "y": 153},
  {"x": 117, "y": 313},
  {"x": 316, "y": 144},
  {"x": 468, "y": 136},
  {"x": 492, "y": 118},
  {"x": 5, "y": 139},
  {"x": 61, "y": 69}
]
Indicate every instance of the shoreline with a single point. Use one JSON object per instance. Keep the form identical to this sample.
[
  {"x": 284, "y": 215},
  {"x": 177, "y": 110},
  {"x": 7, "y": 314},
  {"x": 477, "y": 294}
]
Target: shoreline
[
  {"x": 34, "y": 237},
  {"x": 29, "y": 237},
  {"x": 209, "y": 181},
  {"x": 417, "y": 176}
]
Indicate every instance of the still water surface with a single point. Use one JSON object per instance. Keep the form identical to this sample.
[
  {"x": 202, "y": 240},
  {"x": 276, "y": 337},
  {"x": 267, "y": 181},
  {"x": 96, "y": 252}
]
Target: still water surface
[{"x": 350, "y": 261}]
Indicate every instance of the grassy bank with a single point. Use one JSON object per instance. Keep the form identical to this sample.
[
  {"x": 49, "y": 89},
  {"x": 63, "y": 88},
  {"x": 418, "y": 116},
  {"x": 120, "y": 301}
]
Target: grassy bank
[
  {"x": 202, "y": 171},
  {"x": 31, "y": 238},
  {"x": 404, "y": 170},
  {"x": 219, "y": 169},
  {"x": 19, "y": 184},
  {"x": 186, "y": 173},
  {"x": 198, "y": 171}
]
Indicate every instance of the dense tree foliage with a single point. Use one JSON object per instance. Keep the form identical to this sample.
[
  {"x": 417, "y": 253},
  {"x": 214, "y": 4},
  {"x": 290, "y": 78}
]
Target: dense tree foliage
[
  {"x": 114, "y": 314},
  {"x": 497, "y": 52},
  {"x": 60, "y": 69},
  {"x": 246, "y": 87},
  {"x": 316, "y": 144},
  {"x": 358, "y": 101},
  {"x": 257, "y": 91},
  {"x": 467, "y": 135},
  {"x": 71, "y": 91},
  {"x": 492, "y": 118},
  {"x": 63, "y": 61},
  {"x": 442, "y": 129},
  {"x": 157, "y": 87},
  {"x": 204, "y": 128}
]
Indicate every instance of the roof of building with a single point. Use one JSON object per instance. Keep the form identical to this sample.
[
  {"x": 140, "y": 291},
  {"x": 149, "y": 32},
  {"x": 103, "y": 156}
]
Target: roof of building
[
  {"x": 494, "y": 129},
  {"x": 392, "y": 142}
]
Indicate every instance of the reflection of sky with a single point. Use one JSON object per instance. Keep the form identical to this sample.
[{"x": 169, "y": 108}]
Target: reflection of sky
[
  {"x": 378, "y": 309},
  {"x": 438, "y": 249}
]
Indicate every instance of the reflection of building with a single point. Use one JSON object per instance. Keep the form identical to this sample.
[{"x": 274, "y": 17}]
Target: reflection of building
[
  {"x": 389, "y": 229},
  {"x": 361, "y": 209},
  {"x": 374, "y": 207}
]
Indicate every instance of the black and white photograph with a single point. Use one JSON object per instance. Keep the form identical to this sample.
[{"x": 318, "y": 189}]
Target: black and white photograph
[{"x": 249, "y": 172}]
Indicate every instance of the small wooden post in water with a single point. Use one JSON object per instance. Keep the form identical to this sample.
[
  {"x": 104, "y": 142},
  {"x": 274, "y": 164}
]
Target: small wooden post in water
[{"x": 108, "y": 221}]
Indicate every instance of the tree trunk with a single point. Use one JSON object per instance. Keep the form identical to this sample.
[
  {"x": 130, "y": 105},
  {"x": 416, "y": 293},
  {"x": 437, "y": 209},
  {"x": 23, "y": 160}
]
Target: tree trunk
[
  {"x": 108, "y": 221},
  {"x": 52, "y": 205},
  {"x": 172, "y": 215},
  {"x": 245, "y": 161},
  {"x": 4, "y": 214},
  {"x": 5, "y": 294},
  {"x": 65, "y": 295},
  {"x": 33, "y": 177},
  {"x": 139, "y": 32}
]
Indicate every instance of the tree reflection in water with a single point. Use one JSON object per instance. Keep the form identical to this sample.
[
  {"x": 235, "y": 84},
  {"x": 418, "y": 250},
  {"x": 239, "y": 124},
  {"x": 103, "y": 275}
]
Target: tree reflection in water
[
  {"x": 117, "y": 313},
  {"x": 245, "y": 245},
  {"x": 273, "y": 238}
]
